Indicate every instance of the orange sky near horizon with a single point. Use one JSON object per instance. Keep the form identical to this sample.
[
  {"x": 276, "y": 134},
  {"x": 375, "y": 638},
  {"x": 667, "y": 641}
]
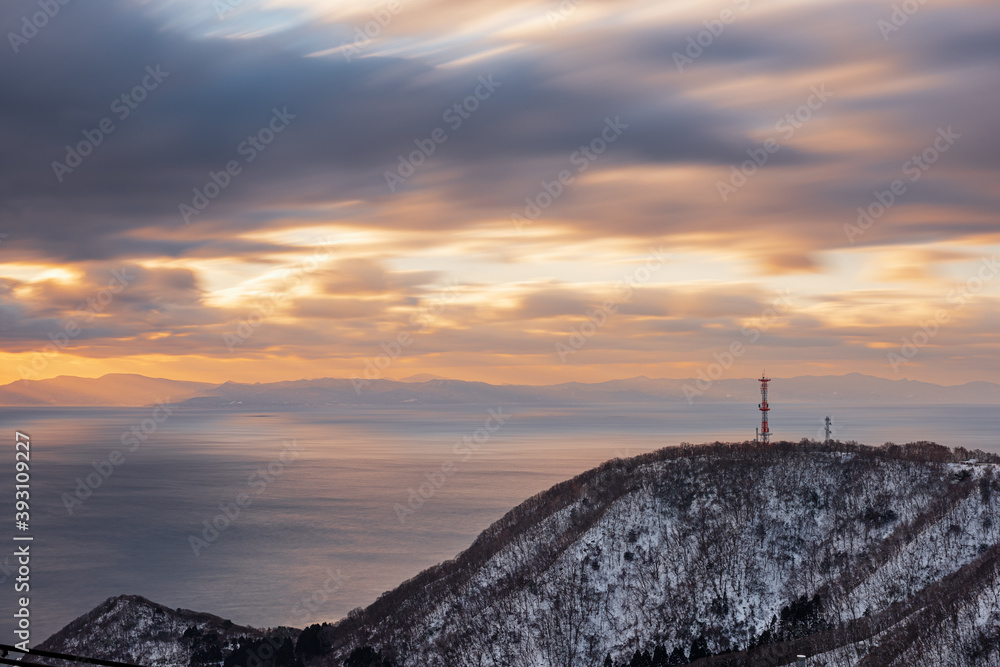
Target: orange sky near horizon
[{"x": 522, "y": 193}]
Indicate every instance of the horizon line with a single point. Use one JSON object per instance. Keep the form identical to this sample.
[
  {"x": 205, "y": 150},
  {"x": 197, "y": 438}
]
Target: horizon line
[{"x": 450, "y": 379}]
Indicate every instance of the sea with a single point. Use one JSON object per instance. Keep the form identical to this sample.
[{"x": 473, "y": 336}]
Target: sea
[{"x": 294, "y": 517}]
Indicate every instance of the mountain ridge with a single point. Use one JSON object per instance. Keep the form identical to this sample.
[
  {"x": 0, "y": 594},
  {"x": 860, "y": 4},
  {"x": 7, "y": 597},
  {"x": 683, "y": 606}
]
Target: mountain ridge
[
  {"x": 721, "y": 554},
  {"x": 112, "y": 390},
  {"x": 139, "y": 631},
  {"x": 131, "y": 390}
]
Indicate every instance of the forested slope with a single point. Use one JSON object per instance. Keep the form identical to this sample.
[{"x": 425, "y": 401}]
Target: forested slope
[{"x": 751, "y": 551}]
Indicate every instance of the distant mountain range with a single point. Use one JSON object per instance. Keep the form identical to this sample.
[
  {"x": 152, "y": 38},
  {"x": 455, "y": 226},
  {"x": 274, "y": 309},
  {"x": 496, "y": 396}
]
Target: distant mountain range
[
  {"x": 122, "y": 390},
  {"x": 114, "y": 389},
  {"x": 735, "y": 555}
]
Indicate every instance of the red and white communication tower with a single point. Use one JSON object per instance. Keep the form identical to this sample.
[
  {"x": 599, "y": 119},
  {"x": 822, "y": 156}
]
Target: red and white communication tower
[{"x": 763, "y": 433}]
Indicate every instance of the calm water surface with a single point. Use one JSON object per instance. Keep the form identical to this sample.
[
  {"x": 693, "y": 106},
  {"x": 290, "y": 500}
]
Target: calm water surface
[{"x": 328, "y": 515}]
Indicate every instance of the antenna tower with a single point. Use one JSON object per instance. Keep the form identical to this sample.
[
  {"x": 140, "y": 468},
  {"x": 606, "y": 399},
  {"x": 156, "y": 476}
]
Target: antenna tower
[{"x": 764, "y": 434}]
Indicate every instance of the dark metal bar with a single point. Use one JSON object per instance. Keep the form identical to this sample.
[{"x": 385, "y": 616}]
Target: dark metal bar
[
  {"x": 20, "y": 663},
  {"x": 58, "y": 656}
]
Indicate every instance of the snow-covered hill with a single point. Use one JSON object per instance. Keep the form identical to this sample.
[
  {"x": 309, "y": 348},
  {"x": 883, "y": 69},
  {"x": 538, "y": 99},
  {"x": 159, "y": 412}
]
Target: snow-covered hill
[
  {"x": 717, "y": 549},
  {"x": 130, "y": 628},
  {"x": 714, "y": 554}
]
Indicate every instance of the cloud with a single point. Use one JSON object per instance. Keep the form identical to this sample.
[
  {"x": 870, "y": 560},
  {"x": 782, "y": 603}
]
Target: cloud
[
  {"x": 346, "y": 123},
  {"x": 349, "y": 118}
]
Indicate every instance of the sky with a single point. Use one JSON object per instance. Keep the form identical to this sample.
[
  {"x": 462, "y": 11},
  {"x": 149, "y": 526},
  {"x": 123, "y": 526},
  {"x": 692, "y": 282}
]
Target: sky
[{"x": 511, "y": 192}]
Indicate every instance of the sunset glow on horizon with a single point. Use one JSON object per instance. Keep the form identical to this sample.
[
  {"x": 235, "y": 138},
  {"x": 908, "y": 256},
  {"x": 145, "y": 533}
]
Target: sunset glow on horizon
[{"x": 525, "y": 192}]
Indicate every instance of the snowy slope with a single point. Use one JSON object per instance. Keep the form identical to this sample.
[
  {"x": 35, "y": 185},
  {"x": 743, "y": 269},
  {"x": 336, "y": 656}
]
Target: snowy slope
[
  {"x": 709, "y": 555},
  {"x": 130, "y": 628},
  {"x": 714, "y": 543}
]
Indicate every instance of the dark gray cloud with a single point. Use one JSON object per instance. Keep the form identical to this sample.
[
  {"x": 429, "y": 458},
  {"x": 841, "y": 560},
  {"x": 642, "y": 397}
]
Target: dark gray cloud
[
  {"x": 353, "y": 119},
  {"x": 656, "y": 182},
  {"x": 350, "y": 118}
]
